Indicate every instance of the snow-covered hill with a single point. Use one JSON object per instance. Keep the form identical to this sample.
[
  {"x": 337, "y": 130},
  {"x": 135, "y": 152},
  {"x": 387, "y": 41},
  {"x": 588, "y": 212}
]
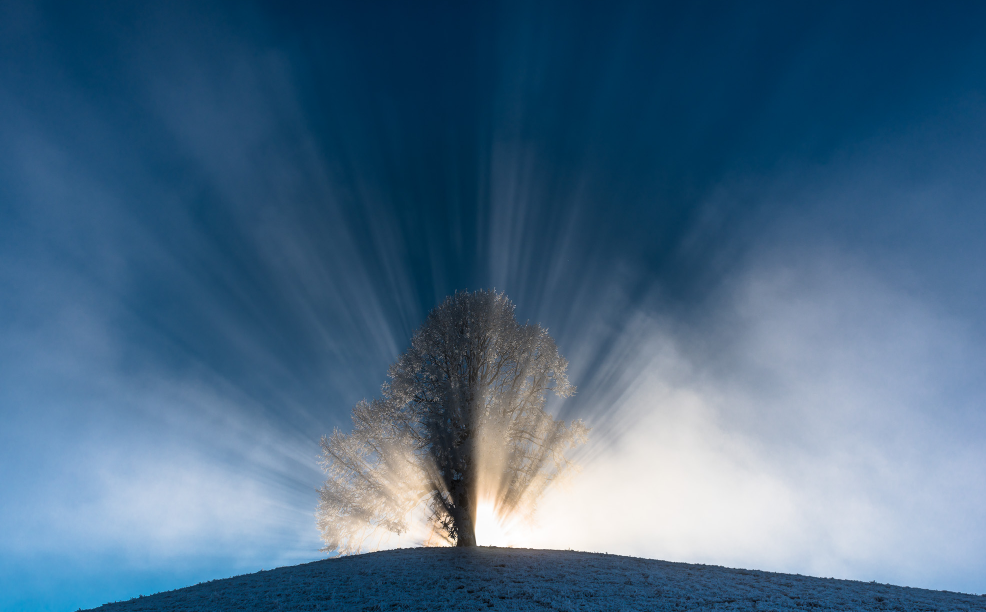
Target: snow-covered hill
[{"x": 522, "y": 579}]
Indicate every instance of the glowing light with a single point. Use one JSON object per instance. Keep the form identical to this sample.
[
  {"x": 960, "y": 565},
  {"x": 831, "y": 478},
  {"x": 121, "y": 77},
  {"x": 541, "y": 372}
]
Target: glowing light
[{"x": 492, "y": 529}]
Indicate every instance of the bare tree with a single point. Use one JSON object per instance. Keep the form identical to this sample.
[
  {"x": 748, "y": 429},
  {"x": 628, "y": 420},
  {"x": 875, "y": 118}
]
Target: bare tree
[{"x": 461, "y": 418}]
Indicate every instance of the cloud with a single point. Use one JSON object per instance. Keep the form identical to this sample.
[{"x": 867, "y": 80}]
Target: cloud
[{"x": 815, "y": 427}]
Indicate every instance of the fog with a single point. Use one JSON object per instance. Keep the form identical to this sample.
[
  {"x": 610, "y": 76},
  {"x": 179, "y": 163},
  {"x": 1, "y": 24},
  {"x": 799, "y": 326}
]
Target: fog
[
  {"x": 756, "y": 238},
  {"x": 834, "y": 431}
]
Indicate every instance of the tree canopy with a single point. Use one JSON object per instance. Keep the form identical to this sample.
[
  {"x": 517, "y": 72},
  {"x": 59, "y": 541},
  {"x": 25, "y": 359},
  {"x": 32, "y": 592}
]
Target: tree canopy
[{"x": 461, "y": 418}]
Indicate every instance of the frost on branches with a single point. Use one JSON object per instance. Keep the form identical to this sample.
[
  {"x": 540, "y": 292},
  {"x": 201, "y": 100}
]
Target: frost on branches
[{"x": 462, "y": 419}]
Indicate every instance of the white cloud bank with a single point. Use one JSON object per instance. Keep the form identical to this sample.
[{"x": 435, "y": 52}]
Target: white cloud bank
[{"x": 826, "y": 425}]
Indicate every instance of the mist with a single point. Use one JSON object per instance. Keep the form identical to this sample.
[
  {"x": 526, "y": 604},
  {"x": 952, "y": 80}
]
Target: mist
[{"x": 754, "y": 235}]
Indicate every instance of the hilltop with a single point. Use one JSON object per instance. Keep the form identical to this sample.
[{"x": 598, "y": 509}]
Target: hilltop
[{"x": 522, "y": 579}]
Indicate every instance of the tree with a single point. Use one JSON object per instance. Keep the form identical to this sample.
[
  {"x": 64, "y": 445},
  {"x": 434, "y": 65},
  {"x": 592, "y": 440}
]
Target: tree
[{"x": 461, "y": 418}]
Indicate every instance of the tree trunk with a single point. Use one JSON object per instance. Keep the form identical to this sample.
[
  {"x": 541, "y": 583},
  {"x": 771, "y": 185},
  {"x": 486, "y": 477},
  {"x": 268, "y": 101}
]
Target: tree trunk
[
  {"x": 466, "y": 534},
  {"x": 465, "y": 519},
  {"x": 465, "y": 522}
]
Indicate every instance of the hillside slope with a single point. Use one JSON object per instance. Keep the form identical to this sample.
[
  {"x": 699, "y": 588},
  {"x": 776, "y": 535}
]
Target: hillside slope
[{"x": 523, "y": 579}]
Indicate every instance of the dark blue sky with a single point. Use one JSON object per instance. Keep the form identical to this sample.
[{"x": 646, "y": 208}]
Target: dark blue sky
[{"x": 755, "y": 229}]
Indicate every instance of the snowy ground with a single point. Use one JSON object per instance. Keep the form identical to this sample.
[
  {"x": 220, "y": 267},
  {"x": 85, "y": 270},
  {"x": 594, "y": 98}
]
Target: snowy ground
[{"x": 522, "y": 579}]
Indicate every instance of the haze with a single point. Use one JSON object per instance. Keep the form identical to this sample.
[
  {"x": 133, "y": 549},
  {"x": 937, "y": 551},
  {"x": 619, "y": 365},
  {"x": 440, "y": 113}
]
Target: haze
[{"x": 755, "y": 233}]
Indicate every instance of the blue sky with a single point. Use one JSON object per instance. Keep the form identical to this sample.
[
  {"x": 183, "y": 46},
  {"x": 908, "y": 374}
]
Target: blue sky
[{"x": 755, "y": 231}]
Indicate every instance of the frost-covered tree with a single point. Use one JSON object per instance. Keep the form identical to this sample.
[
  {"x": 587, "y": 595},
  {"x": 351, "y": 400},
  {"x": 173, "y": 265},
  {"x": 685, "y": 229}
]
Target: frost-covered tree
[{"x": 461, "y": 417}]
